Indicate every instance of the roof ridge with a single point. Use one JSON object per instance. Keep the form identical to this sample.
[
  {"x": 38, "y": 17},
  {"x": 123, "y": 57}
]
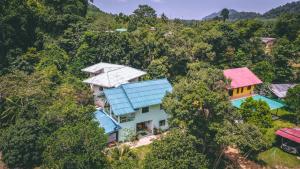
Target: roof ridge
[
  {"x": 127, "y": 96},
  {"x": 145, "y": 81}
]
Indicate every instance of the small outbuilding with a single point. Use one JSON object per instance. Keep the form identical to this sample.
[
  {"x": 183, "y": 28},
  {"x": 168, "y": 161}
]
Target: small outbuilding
[
  {"x": 280, "y": 90},
  {"x": 290, "y": 139}
]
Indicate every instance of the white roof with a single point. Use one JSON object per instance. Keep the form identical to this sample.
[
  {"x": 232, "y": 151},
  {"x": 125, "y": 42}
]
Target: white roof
[
  {"x": 106, "y": 67},
  {"x": 115, "y": 77}
]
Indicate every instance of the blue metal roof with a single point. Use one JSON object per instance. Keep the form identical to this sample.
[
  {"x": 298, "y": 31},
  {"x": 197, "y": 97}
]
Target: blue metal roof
[
  {"x": 128, "y": 97},
  {"x": 106, "y": 122}
]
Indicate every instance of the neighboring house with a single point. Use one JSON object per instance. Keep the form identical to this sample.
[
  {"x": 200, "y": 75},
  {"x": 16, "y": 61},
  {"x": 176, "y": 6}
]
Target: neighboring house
[
  {"x": 280, "y": 90},
  {"x": 105, "y": 75},
  {"x": 136, "y": 107},
  {"x": 269, "y": 43},
  {"x": 243, "y": 82}
]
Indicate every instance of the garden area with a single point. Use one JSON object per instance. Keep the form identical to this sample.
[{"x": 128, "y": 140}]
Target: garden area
[{"x": 275, "y": 157}]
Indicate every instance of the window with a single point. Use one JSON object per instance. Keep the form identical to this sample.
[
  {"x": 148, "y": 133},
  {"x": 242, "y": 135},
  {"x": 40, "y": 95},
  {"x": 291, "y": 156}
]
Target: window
[
  {"x": 127, "y": 118},
  {"x": 242, "y": 90},
  {"x": 160, "y": 106},
  {"x": 162, "y": 123},
  {"x": 145, "y": 109},
  {"x": 249, "y": 87},
  {"x": 238, "y": 90}
]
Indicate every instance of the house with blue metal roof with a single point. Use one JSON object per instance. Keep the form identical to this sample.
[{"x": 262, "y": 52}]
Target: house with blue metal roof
[{"x": 136, "y": 107}]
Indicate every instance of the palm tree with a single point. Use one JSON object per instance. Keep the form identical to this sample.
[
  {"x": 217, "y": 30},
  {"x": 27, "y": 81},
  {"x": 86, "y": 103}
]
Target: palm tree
[{"x": 121, "y": 153}]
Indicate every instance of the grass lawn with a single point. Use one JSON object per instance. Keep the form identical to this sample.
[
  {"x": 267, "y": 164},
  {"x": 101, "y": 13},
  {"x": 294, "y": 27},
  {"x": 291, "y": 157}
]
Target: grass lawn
[
  {"x": 141, "y": 153},
  {"x": 275, "y": 158}
]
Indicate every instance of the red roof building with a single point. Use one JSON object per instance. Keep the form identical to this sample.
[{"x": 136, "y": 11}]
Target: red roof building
[
  {"x": 243, "y": 81},
  {"x": 292, "y": 134}
]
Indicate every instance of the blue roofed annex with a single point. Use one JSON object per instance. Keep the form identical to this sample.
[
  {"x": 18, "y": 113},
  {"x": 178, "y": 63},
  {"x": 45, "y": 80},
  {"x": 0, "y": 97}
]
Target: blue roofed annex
[
  {"x": 128, "y": 97},
  {"x": 106, "y": 122}
]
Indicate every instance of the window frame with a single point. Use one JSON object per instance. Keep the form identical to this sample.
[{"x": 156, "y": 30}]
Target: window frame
[
  {"x": 249, "y": 87},
  {"x": 127, "y": 118},
  {"x": 143, "y": 110},
  {"x": 162, "y": 122}
]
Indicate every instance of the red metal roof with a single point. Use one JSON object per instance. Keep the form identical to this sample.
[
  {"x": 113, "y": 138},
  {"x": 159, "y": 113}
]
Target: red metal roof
[
  {"x": 290, "y": 133},
  {"x": 241, "y": 77}
]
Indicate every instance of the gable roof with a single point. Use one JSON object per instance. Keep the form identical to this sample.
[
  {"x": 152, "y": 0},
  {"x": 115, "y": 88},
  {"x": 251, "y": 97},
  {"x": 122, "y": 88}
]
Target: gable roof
[
  {"x": 241, "y": 77},
  {"x": 115, "y": 77},
  {"x": 280, "y": 90},
  {"x": 106, "y": 122},
  {"x": 128, "y": 97}
]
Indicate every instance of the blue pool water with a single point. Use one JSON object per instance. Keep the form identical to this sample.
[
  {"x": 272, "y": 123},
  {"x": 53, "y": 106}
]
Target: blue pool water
[{"x": 272, "y": 104}]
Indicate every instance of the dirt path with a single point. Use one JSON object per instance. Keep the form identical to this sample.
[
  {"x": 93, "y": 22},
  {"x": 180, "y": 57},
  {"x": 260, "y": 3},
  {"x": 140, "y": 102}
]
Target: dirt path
[
  {"x": 234, "y": 155},
  {"x": 2, "y": 165}
]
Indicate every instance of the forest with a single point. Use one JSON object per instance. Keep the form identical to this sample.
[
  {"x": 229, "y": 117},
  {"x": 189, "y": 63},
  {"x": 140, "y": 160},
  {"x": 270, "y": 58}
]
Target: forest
[{"x": 46, "y": 112}]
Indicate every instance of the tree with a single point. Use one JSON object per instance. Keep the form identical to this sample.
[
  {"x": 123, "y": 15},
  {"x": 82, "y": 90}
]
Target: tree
[
  {"x": 178, "y": 150},
  {"x": 145, "y": 15},
  {"x": 76, "y": 146},
  {"x": 21, "y": 144},
  {"x": 283, "y": 52},
  {"x": 158, "y": 68},
  {"x": 225, "y": 14},
  {"x": 265, "y": 71},
  {"x": 122, "y": 157},
  {"x": 199, "y": 102},
  {"x": 22, "y": 96},
  {"x": 164, "y": 18},
  {"x": 293, "y": 99},
  {"x": 256, "y": 112},
  {"x": 247, "y": 137}
]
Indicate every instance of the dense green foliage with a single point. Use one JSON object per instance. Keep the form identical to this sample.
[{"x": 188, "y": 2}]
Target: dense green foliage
[
  {"x": 21, "y": 144},
  {"x": 257, "y": 113},
  {"x": 293, "y": 100},
  {"x": 290, "y": 8},
  {"x": 76, "y": 146},
  {"x": 46, "y": 114},
  {"x": 122, "y": 157},
  {"x": 176, "y": 150}
]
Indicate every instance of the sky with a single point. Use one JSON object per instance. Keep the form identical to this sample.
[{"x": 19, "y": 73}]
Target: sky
[{"x": 188, "y": 9}]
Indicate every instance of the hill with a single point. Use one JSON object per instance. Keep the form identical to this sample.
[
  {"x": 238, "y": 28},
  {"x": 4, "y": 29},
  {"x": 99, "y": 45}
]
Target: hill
[
  {"x": 234, "y": 15},
  {"x": 293, "y": 7}
]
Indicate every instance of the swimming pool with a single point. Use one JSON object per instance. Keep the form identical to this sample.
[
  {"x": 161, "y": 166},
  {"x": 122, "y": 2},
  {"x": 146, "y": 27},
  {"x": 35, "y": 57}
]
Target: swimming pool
[{"x": 272, "y": 103}]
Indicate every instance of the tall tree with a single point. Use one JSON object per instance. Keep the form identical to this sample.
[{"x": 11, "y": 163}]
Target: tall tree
[
  {"x": 199, "y": 102},
  {"x": 225, "y": 14},
  {"x": 145, "y": 14}
]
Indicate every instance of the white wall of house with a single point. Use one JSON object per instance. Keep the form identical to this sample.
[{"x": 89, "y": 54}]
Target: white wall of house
[{"x": 155, "y": 115}]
